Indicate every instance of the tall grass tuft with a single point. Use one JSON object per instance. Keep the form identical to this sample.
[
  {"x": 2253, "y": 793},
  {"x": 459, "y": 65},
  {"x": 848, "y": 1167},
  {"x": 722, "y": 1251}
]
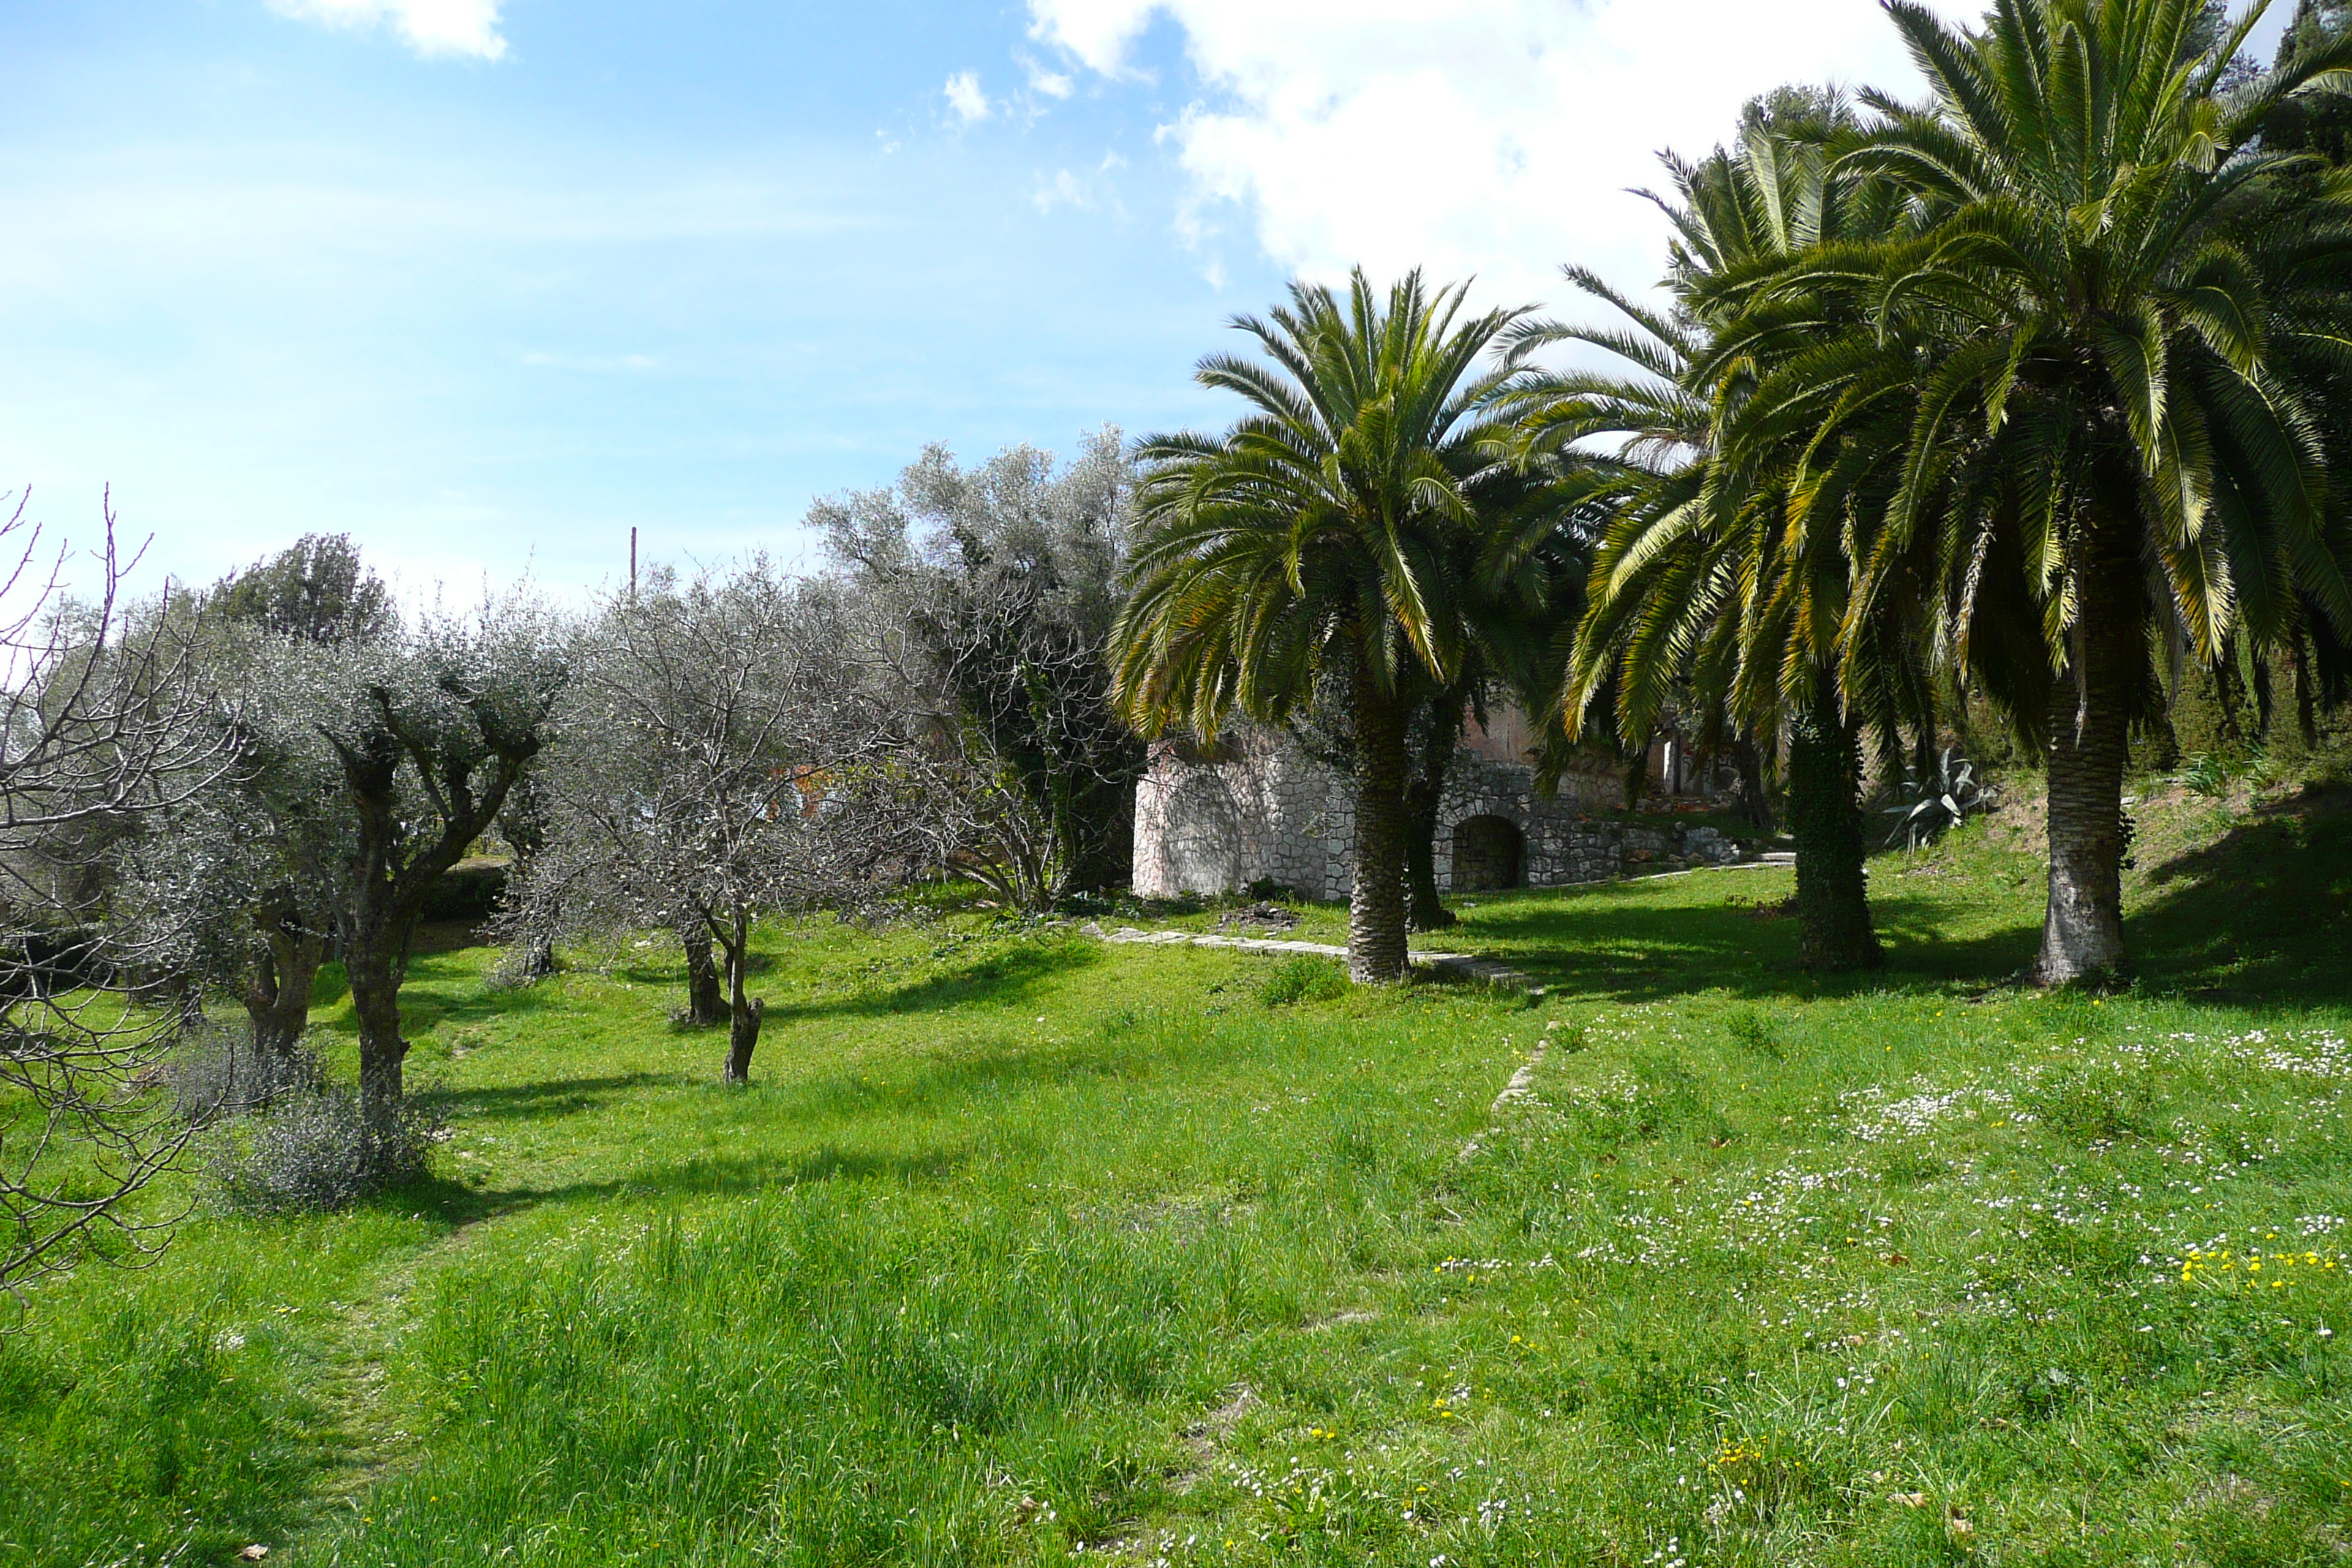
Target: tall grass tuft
[{"x": 1303, "y": 978}]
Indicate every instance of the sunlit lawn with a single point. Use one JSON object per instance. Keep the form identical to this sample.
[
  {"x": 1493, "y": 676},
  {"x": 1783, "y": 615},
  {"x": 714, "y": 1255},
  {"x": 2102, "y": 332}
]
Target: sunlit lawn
[{"x": 1023, "y": 1245}]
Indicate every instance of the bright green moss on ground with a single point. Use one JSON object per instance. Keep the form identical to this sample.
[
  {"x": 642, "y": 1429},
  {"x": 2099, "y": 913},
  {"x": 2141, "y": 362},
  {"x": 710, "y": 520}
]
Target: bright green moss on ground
[{"x": 1022, "y": 1244}]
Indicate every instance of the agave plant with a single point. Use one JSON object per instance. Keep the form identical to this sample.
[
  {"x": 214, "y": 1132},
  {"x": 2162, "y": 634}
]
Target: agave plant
[
  {"x": 2204, "y": 775},
  {"x": 1943, "y": 800}
]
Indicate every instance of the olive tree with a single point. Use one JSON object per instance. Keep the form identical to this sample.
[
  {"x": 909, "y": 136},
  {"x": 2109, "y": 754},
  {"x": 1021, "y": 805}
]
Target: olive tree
[
  {"x": 998, "y": 587},
  {"x": 264, "y": 853},
  {"x": 103, "y": 723},
  {"x": 725, "y": 753},
  {"x": 429, "y": 730},
  {"x": 257, "y": 861}
]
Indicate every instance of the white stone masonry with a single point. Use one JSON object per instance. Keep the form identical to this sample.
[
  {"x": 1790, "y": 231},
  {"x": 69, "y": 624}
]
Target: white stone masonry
[{"x": 1254, "y": 810}]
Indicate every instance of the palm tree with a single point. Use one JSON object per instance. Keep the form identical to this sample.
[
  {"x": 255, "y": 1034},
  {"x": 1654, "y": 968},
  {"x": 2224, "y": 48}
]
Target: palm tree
[
  {"x": 1525, "y": 567},
  {"x": 1722, "y": 581},
  {"x": 2118, "y": 309},
  {"x": 1322, "y": 535}
]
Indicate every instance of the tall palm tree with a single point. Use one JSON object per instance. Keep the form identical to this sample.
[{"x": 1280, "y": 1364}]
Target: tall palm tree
[
  {"x": 1525, "y": 565},
  {"x": 2119, "y": 307},
  {"x": 1322, "y": 535},
  {"x": 1722, "y": 582}
]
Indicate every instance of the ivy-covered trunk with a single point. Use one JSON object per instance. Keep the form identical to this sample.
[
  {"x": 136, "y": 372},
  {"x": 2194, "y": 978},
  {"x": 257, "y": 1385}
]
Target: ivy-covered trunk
[
  {"x": 1376, "y": 912},
  {"x": 2090, "y": 716},
  {"x": 1825, "y": 817},
  {"x": 1754, "y": 805}
]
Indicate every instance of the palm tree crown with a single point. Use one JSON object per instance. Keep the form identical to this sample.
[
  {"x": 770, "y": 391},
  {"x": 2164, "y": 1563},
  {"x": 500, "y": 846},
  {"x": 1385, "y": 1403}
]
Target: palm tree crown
[
  {"x": 1719, "y": 583},
  {"x": 1325, "y": 534},
  {"x": 2104, "y": 324}
]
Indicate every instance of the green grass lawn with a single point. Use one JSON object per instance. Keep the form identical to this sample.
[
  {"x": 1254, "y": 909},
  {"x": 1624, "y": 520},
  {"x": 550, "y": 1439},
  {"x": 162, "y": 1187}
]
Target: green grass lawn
[{"x": 1024, "y": 1246}]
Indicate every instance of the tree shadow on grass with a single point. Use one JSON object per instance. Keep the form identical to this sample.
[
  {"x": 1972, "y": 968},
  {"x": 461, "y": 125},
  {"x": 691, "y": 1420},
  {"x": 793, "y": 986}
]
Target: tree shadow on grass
[
  {"x": 1007, "y": 976},
  {"x": 992, "y": 1069},
  {"x": 741, "y": 1175},
  {"x": 2260, "y": 915},
  {"x": 424, "y": 1008},
  {"x": 459, "y": 1202},
  {"x": 1596, "y": 945},
  {"x": 554, "y": 1097},
  {"x": 650, "y": 971}
]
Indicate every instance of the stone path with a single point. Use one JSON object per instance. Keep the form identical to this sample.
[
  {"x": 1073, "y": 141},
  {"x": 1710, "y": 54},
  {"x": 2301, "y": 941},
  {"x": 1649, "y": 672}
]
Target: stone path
[
  {"x": 1463, "y": 964},
  {"x": 1521, "y": 1086},
  {"x": 1778, "y": 860}
]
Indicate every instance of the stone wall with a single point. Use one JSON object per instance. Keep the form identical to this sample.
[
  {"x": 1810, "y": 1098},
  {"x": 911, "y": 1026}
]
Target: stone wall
[{"x": 1254, "y": 810}]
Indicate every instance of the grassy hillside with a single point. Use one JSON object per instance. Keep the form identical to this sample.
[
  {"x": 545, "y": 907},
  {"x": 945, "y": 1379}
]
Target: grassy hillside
[{"x": 1024, "y": 1246}]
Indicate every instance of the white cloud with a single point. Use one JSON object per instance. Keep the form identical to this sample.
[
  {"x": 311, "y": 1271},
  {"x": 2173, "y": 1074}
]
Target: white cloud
[
  {"x": 1050, "y": 83},
  {"x": 1065, "y": 189},
  {"x": 429, "y": 26},
  {"x": 966, "y": 99},
  {"x": 1490, "y": 136},
  {"x": 1097, "y": 32}
]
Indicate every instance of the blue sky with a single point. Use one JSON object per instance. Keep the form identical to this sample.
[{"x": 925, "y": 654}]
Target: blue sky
[{"x": 487, "y": 282}]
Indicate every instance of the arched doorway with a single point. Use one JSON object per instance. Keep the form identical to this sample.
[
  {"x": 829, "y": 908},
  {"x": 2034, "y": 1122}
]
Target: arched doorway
[{"x": 1489, "y": 853}]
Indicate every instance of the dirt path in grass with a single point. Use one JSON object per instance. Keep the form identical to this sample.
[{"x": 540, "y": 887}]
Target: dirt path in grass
[{"x": 356, "y": 1426}]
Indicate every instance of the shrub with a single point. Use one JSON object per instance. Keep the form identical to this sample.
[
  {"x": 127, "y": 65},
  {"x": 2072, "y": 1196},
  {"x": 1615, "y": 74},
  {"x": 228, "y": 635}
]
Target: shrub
[
  {"x": 309, "y": 1153},
  {"x": 1934, "y": 804},
  {"x": 219, "y": 1071},
  {"x": 1303, "y": 979}
]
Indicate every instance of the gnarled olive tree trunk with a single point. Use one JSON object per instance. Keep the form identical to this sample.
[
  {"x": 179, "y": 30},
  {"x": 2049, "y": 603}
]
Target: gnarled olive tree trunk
[
  {"x": 278, "y": 987},
  {"x": 393, "y": 869},
  {"x": 706, "y": 997},
  {"x": 1376, "y": 914},
  {"x": 1825, "y": 818},
  {"x": 744, "y": 1011}
]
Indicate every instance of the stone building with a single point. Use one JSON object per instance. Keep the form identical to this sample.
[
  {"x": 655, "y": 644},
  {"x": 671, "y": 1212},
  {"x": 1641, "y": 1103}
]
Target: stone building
[{"x": 1254, "y": 810}]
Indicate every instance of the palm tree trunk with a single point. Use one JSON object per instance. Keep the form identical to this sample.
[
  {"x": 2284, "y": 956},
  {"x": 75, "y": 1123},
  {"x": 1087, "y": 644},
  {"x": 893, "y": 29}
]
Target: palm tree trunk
[
  {"x": 1424, "y": 796},
  {"x": 2090, "y": 717},
  {"x": 1376, "y": 924},
  {"x": 1832, "y": 889}
]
